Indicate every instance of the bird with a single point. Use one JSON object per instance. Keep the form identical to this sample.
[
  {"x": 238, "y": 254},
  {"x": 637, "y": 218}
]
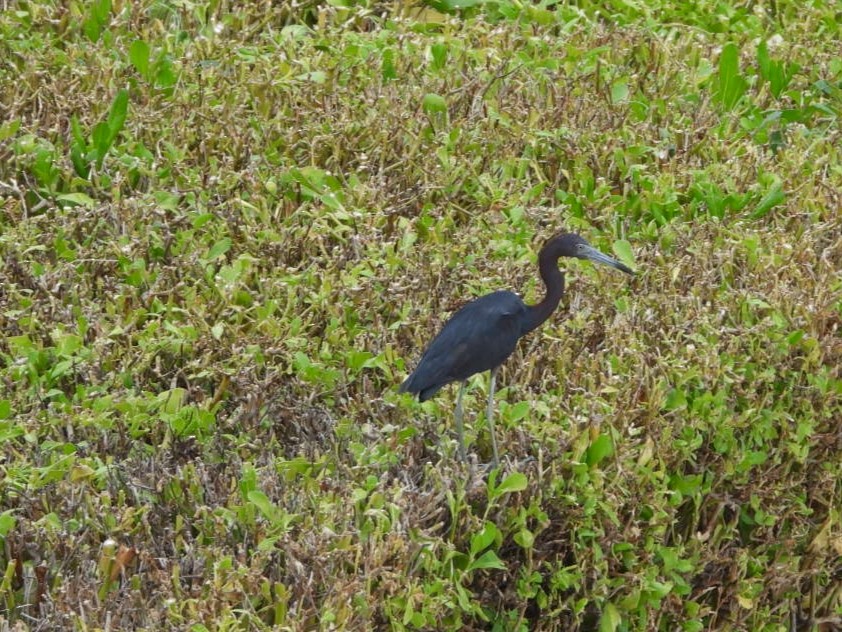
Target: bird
[{"x": 484, "y": 332}]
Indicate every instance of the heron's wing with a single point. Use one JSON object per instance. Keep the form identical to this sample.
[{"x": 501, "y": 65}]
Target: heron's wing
[{"x": 477, "y": 338}]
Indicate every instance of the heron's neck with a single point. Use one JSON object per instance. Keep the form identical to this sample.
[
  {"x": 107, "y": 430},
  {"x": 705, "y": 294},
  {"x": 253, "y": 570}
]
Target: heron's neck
[{"x": 554, "y": 281}]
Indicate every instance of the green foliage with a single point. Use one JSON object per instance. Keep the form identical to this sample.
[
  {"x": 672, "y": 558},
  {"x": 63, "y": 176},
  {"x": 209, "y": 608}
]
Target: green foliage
[
  {"x": 227, "y": 231},
  {"x": 730, "y": 85}
]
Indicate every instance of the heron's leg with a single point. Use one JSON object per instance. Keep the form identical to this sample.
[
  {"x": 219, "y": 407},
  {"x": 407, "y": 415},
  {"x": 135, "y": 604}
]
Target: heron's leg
[
  {"x": 490, "y": 416},
  {"x": 460, "y": 431}
]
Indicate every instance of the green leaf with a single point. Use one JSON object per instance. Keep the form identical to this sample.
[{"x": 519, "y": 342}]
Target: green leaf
[
  {"x": 91, "y": 28},
  {"x": 438, "y": 52},
  {"x": 623, "y": 250},
  {"x": 169, "y": 201},
  {"x": 102, "y": 10},
  {"x": 219, "y": 249},
  {"x": 5, "y": 409},
  {"x": 518, "y": 411},
  {"x": 117, "y": 113},
  {"x": 488, "y": 559},
  {"x": 172, "y": 400},
  {"x": 139, "y": 56},
  {"x": 610, "y": 619},
  {"x": 675, "y": 399},
  {"x": 515, "y": 482},
  {"x": 482, "y": 540},
  {"x": 314, "y": 76},
  {"x": 620, "y": 92},
  {"x": 764, "y": 62},
  {"x": 777, "y": 73},
  {"x": 7, "y": 522},
  {"x": 600, "y": 448},
  {"x": 105, "y": 133},
  {"x": 731, "y": 85},
  {"x": 434, "y": 104},
  {"x": 388, "y": 70},
  {"x": 263, "y": 504},
  {"x": 772, "y": 199},
  {"x": 9, "y": 129},
  {"x": 165, "y": 76},
  {"x": 76, "y": 199},
  {"x": 524, "y": 538}
]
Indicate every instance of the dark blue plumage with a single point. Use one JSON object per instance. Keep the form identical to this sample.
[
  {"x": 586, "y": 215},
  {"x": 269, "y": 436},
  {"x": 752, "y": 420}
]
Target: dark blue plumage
[
  {"x": 462, "y": 347},
  {"x": 481, "y": 335}
]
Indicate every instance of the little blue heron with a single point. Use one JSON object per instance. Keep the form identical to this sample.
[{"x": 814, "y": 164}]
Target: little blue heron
[{"x": 481, "y": 335}]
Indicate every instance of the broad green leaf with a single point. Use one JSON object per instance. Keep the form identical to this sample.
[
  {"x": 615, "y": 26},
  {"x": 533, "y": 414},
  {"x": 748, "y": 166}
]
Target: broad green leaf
[
  {"x": 623, "y": 250},
  {"x": 219, "y": 249},
  {"x": 438, "y": 52},
  {"x": 169, "y": 202},
  {"x": 610, "y": 619},
  {"x": 388, "y": 70},
  {"x": 105, "y": 132},
  {"x": 357, "y": 360},
  {"x": 675, "y": 399},
  {"x": 524, "y": 538},
  {"x": 620, "y": 92},
  {"x": 117, "y": 113},
  {"x": 772, "y": 199},
  {"x": 165, "y": 76},
  {"x": 600, "y": 448},
  {"x": 139, "y": 56},
  {"x": 777, "y": 73},
  {"x": 92, "y": 28},
  {"x": 515, "y": 482},
  {"x": 5, "y": 409},
  {"x": 518, "y": 411},
  {"x": 263, "y": 504},
  {"x": 10, "y": 430},
  {"x": 482, "y": 540},
  {"x": 448, "y": 6},
  {"x": 101, "y": 10},
  {"x": 76, "y": 199},
  {"x": 434, "y": 104},
  {"x": 314, "y": 76},
  {"x": 9, "y": 129},
  {"x": 7, "y": 522},
  {"x": 488, "y": 559},
  {"x": 172, "y": 400},
  {"x": 730, "y": 85}
]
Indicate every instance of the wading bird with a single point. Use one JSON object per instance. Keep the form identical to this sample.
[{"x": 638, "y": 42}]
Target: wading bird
[{"x": 481, "y": 335}]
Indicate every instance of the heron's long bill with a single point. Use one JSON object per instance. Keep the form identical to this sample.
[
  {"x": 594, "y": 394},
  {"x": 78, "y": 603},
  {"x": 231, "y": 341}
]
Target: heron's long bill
[{"x": 598, "y": 257}]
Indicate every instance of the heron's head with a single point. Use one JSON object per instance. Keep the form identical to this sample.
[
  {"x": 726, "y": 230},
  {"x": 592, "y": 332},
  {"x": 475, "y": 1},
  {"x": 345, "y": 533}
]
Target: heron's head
[{"x": 572, "y": 245}]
